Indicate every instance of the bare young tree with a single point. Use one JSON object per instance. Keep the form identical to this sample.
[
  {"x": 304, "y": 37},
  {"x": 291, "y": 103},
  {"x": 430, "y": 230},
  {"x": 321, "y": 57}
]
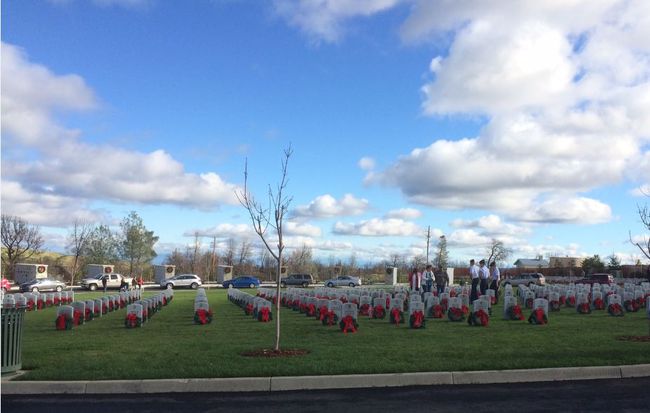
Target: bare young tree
[
  {"x": 78, "y": 239},
  {"x": 644, "y": 245},
  {"x": 497, "y": 251},
  {"x": 244, "y": 252},
  {"x": 271, "y": 216},
  {"x": 20, "y": 240}
]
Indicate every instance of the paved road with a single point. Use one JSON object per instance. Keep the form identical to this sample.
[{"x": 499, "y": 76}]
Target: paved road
[{"x": 621, "y": 396}]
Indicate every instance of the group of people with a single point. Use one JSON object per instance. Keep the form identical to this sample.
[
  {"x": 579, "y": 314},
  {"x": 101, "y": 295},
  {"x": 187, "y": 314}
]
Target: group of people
[
  {"x": 424, "y": 280},
  {"x": 484, "y": 278}
]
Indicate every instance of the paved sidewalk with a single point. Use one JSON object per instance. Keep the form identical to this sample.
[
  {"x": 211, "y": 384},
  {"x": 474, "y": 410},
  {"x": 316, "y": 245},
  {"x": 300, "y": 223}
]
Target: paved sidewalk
[{"x": 274, "y": 384}]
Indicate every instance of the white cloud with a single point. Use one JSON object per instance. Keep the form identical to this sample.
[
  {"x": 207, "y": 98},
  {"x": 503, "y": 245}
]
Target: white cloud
[
  {"x": 366, "y": 163},
  {"x": 45, "y": 159},
  {"x": 296, "y": 228},
  {"x": 404, "y": 213},
  {"x": 326, "y": 206},
  {"x": 225, "y": 230},
  {"x": 556, "y": 92},
  {"x": 491, "y": 225},
  {"x": 322, "y": 19},
  {"x": 379, "y": 227}
]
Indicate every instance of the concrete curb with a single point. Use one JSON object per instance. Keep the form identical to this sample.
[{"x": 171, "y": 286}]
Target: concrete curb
[{"x": 274, "y": 384}]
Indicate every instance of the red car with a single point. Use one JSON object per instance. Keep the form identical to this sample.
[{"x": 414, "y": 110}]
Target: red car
[
  {"x": 600, "y": 278},
  {"x": 6, "y": 285}
]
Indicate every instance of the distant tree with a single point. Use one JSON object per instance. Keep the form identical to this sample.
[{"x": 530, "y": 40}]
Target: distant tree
[
  {"x": 136, "y": 244},
  {"x": 102, "y": 246},
  {"x": 301, "y": 260},
  {"x": 442, "y": 256},
  {"x": 614, "y": 262},
  {"x": 78, "y": 239},
  {"x": 272, "y": 216},
  {"x": 497, "y": 252},
  {"x": 178, "y": 259},
  {"x": 20, "y": 240},
  {"x": 593, "y": 265},
  {"x": 244, "y": 252}
]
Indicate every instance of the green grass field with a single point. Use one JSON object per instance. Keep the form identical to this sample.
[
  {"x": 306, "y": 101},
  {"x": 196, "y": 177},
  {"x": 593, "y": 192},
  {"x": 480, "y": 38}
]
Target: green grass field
[{"x": 171, "y": 346}]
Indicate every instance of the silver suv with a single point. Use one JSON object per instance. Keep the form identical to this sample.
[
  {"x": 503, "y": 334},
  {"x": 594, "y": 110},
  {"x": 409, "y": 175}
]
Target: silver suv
[
  {"x": 182, "y": 280},
  {"x": 303, "y": 280}
]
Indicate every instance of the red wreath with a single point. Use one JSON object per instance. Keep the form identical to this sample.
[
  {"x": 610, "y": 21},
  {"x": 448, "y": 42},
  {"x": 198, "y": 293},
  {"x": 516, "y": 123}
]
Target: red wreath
[
  {"x": 514, "y": 313},
  {"x": 465, "y": 309},
  {"x": 584, "y": 308},
  {"x": 322, "y": 312},
  {"x": 364, "y": 309},
  {"x": 436, "y": 311},
  {"x": 479, "y": 318},
  {"x": 348, "y": 324},
  {"x": 89, "y": 315},
  {"x": 417, "y": 320},
  {"x": 599, "y": 304},
  {"x": 455, "y": 314},
  {"x": 41, "y": 269},
  {"x": 249, "y": 309},
  {"x": 63, "y": 323},
  {"x": 378, "y": 311},
  {"x": 493, "y": 299},
  {"x": 77, "y": 317},
  {"x": 264, "y": 315},
  {"x": 562, "y": 300},
  {"x": 203, "y": 316},
  {"x": 615, "y": 310},
  {"x": 132, "y": 321},
  {"x": 445, "y": 305},
  {"x": 30, "y": 305},
  {"x": 57, "y": 300},
  {"x": 396, "y": 316},
  {"x": 311, "y": 310},
  {"x": 571, "y": 301},
  {"x": 108, "y": 270},
  {"x": 330, "y": 319},
  {"x": 452, "y": 293},
  {"x": 48, "y": 302},
  {"x": 538, "y": 317},
  {"x": 631, "y": 306}
]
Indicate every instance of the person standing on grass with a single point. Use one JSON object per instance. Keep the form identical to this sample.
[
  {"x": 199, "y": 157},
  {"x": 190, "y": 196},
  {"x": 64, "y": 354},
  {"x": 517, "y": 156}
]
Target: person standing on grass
[
  {"x": 484, "y": 275},
  {"x": 416, "y": 279},
  {"x": 473, "y": 273},
  {"x": 104, "y": 282},
  {"x": 495, "y": 277},
  {"x": 441, "y": 280},
  {"x": 429, "y": 277}
]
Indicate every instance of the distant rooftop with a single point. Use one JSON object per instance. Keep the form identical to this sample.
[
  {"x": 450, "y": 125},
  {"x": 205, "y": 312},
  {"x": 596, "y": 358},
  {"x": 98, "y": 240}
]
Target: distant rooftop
[{"x": 531, "y": 263}]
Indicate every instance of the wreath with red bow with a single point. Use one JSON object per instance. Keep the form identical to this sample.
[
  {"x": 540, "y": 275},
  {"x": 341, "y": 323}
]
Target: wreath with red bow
[
  {"x": 514, "y": 313},
  {"x": 264, "y": 315},
  {"x": 417, "y": 320},
  {"x": 455, "y": 314},
  {"x": 479, "y": 318},
  {"x": 365, "y": 309},
  {"x": 378, "y": 311},
  {"x": 599, "y": 304},
  {"x": 631, "y": 306},
  {"x": 583, "y": 308},
  {"x": 615, "y": 310},
  {"x": 203, "y": 316},
  {"x": 132, "y": 321},
  {"x": 348, "y": 324},
  {"x": 571, "y": 301},
  {"x": 396, "y": 316},
  {"x": 436, "y": 311},
  {"x": 330, "y": 318},
  {"x": 63, "y": 323},
  {"x": 538, "y": 317}
]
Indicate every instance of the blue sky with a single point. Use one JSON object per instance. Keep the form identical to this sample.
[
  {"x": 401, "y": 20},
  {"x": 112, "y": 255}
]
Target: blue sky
[{"x": 482, "y": 119}]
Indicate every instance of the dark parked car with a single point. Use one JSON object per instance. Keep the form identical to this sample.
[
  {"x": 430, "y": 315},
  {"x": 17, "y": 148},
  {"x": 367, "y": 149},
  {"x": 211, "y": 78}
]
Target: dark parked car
[
  {"x": 244, "y": 281},
  {"x": 297, "y": 279},
  {"x": 600, "y": 278},
  {"x": 526, "y": 278},
  {"x": 43, "y": 284}
]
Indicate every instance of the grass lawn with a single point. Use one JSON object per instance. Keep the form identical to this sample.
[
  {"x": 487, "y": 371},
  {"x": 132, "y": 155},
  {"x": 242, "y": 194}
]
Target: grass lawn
[{"x": 171, "y": 346}]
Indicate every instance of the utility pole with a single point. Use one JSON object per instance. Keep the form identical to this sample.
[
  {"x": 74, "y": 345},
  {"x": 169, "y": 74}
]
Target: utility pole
[
  {"x": 428, "y": 241},
  {"x": 213, "y": 264}
]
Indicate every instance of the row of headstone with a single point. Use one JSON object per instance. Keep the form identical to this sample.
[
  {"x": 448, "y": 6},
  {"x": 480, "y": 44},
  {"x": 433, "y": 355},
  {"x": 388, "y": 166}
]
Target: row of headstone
[
  {"x": 256, "y": 306},
  {"x": 37, "y": 301},
  {"x": 79, "y": 312},
  {"x": 141, "y": 311},
  {"x": 202, "y": 311}
]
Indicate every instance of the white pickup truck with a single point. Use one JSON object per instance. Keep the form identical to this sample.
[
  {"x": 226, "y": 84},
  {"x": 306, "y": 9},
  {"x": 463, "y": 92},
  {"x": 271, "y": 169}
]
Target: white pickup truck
[{"x": 113, "y": 280}]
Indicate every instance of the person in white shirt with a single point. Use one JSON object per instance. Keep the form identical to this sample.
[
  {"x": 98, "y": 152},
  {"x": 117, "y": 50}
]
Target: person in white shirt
[
  {"x": 495, "y": 277},
  {"x": 473, "y": 273},
  {"x": 483, "y": 274},
  {"x": 428, "y": 278}
]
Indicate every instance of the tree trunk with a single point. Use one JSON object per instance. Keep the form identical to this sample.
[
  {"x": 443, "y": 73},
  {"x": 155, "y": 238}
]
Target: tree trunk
[{"x": 277, "y": 303}]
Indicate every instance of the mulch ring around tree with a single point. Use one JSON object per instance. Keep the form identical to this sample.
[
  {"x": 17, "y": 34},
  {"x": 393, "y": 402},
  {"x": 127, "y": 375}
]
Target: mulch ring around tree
[
  {"x": 271, "y": 353},
  {"x": 636, "y": 339}
]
